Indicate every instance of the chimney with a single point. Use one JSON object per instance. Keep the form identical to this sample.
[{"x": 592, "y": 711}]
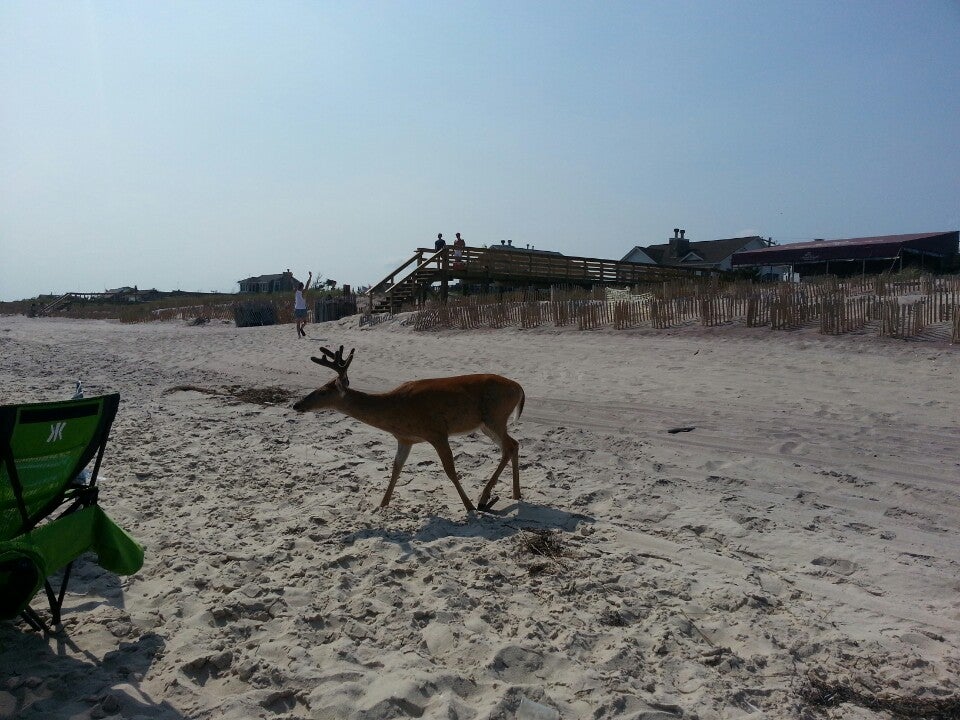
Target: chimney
[
  {"x": 510, "y": 243},
  {"x": 679, "y": 245}
]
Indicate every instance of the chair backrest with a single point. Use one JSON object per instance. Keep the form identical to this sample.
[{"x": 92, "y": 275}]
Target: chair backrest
[{"x": 43, "y": 447}]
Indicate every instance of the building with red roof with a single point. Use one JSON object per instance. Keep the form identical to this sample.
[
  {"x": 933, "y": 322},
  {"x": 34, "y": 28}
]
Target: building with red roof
[{"x": 936, "y": 251}]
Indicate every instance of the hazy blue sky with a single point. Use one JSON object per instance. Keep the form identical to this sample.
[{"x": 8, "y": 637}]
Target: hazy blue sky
[{"x": 189, "y": 145}]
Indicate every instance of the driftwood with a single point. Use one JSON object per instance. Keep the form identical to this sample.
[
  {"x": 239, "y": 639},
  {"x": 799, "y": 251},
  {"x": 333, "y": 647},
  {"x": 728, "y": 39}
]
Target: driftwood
[{"x": 823, "y": 693}]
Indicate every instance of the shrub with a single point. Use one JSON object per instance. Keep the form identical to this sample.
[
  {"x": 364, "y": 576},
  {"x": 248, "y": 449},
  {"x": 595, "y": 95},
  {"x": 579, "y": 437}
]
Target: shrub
[{"x": 253, "y": 313}]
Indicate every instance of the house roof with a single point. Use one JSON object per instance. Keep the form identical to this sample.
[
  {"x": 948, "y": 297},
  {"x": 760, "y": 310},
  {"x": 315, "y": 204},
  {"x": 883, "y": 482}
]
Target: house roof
[
  {"x": 879, "y": 246},
  {"x": 514, "y": 248},
  {"x": 711, "y": 252},
  {"x": 636, "y": 249},
  {"x": 265, "y": 278}
]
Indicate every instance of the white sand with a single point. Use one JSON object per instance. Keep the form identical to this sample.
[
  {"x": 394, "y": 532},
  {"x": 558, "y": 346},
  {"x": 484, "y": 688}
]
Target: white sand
[{"x": 809, "y": 522}]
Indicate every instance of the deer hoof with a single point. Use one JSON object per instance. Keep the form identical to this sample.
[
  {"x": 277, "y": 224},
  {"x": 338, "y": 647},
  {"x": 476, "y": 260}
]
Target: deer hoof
[{"x": 483, "y": 507}]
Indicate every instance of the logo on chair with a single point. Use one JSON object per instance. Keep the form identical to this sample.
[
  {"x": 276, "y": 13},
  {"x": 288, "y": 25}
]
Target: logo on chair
[{"x": 56, "y": 432}]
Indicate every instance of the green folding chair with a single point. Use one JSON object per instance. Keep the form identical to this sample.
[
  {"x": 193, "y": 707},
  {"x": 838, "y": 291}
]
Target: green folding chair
[{"x": 49, "y": 514}]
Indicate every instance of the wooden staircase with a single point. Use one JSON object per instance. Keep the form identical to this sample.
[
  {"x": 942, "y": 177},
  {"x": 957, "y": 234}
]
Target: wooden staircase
[
  {"x": 391, "y": 294},
  {"x": 57, "y": 304}
]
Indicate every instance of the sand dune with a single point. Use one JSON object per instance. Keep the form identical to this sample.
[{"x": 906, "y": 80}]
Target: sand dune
[{"x": 807, "y": 523}]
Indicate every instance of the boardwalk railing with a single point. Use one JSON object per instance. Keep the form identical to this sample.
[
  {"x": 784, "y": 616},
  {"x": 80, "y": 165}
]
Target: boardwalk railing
[
  {"x": 509, "y": 265},
  {"x": 498, "y": 262}
]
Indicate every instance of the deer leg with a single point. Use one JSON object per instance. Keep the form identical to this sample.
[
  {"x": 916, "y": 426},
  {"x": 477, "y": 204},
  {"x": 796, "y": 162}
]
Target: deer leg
[
  {"x": 403, "y": 451},
  {"x": 509, "y": 450},
  {"x": 515, "y": 457},
  {"x": 442, "y": 446},
  {"x": 484, "y": 501}
]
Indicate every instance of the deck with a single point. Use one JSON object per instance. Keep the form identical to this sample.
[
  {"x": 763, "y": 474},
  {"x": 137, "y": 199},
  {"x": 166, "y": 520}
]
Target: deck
[{"x": 510, "y": 266}]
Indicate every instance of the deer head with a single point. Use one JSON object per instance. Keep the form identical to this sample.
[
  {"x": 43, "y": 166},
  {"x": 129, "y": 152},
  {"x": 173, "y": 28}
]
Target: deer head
[{"x": 333, "y": 390}]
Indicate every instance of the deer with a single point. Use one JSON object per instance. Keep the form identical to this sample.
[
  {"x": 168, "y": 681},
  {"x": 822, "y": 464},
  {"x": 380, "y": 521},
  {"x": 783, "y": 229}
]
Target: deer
[{"x": 429, "y": 411}]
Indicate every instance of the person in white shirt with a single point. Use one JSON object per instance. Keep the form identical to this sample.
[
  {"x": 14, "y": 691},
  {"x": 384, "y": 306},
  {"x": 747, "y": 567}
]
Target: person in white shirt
[{"x": 300, "y": 307}]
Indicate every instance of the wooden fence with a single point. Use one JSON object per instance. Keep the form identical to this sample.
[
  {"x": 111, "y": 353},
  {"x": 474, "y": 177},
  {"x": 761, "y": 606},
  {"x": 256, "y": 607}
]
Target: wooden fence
[{"x": 904, "y": 309}]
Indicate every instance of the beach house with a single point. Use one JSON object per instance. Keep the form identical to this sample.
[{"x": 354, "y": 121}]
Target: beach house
[
  {"x": 681, "y": 251},
  {"x": 280, "y": 282}
]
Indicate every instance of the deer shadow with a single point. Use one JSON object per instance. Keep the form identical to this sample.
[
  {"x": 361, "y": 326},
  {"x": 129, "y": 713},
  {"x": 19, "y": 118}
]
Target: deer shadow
[{"x": 490, "y": 525}]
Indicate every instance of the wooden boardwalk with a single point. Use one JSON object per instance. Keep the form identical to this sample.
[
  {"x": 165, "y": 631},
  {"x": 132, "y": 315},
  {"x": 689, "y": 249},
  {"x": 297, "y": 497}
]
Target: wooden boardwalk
[{"x": 507, "y": 266}]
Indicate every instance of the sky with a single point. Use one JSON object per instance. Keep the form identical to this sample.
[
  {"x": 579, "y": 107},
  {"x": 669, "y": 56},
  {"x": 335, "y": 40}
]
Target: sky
[{"x": 188, "y": 145}]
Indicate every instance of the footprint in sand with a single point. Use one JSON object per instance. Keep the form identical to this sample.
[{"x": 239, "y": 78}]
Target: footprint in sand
[
  {"x": 841, "y": 567},
  {"x": 789, "y": 447},
  {"x": 516, "y": 664}
]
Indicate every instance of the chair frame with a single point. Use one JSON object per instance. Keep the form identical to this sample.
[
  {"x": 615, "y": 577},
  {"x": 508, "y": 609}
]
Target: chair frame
[{"x": 74, "y": 494}]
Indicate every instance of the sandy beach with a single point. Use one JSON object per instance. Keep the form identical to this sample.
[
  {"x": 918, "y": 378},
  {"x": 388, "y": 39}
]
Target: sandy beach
[{"x": 805, "y": 524}]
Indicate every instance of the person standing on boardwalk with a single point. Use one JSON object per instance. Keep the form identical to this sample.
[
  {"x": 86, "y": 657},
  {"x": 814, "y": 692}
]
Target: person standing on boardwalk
[
  {"x": 440, "y": 243},
  {"x": 300, "y": 307},
  {"x": 458, "y": 245}
]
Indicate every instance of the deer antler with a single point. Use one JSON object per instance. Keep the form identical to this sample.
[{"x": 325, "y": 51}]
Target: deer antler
[{"x": 335, "y": 361}]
